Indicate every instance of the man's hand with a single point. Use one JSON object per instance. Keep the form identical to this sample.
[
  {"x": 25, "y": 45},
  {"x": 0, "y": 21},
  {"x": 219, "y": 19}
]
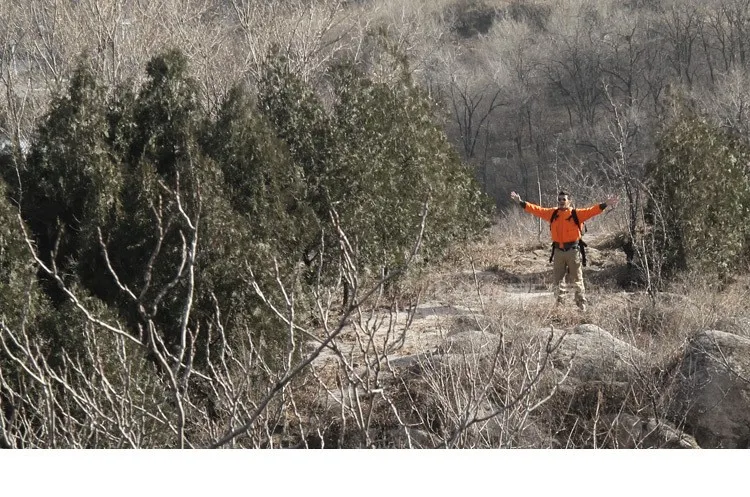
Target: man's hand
[
  {"x": 612, "y": 201},
  {"x": 515, "y": 196}
]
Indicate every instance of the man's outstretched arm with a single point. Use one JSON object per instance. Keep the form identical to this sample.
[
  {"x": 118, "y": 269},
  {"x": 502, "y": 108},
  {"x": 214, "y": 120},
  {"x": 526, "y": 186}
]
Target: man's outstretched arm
[
  {"x": 589, "y": 212},
  {"x": 542, "y": 212}
]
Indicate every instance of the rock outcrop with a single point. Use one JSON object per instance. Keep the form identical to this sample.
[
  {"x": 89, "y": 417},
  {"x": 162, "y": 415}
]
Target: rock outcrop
[
  {"x": 709, "y": 390},
  {"x": 593, "y": 354}
]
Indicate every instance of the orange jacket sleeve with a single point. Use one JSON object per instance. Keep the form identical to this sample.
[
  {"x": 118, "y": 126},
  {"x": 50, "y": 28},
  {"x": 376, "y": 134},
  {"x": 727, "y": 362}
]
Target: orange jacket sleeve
[
  {"x": 538, "y": 211},
  {"x": 564, "y": 230},
  {"x": 589, "y": 212}
]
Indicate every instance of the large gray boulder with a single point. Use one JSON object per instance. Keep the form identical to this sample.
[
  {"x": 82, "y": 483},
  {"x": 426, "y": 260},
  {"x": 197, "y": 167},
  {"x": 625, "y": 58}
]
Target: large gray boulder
[
  {"x": 710, "y": 390},
  {"x": 590, "y": 353}
]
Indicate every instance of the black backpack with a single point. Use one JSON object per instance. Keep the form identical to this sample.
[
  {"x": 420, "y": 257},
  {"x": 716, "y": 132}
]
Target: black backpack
[{"x": 581, "y": 244}]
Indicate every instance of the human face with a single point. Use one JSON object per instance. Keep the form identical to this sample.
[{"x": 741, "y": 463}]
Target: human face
[{"x": 563, "y": 202}]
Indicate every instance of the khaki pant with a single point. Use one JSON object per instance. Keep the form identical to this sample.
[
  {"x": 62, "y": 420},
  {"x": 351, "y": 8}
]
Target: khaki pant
[{"x": 567, "y": 268}]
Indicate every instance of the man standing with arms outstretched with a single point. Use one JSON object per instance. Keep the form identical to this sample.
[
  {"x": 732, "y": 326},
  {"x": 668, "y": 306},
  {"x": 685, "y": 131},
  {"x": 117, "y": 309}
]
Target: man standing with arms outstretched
[{"x": 566, "y": 228}]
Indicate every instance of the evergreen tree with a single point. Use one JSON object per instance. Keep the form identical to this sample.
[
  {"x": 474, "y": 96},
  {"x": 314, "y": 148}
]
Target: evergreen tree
[
  {"x": 19, "y": 291},
  {"x": 70, "y": 182},
  {"x": 701, "y": 197},
  {"x": 188, "y": 179},
  {"x": 394, "y": 158},
  {"x": 261, "y": 180},
  {"x": 375, "y": 159}
]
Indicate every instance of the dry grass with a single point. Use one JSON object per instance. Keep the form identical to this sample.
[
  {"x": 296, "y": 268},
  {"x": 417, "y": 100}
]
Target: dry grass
[
  {"x": 506, "y": 278},
  {"x": 470, "y": 369}
]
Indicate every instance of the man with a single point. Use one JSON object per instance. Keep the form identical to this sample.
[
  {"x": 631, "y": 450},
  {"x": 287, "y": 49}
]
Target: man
[{"x": 566, "y": 238}]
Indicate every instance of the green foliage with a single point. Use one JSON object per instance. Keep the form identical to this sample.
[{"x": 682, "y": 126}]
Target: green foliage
[
  {"x": 162, "y": 216},
  {"x": 701, "y": 206},
  {"x": 70, "y": 181},
  {"x": 471, "y": 18},
  {"x": 261, "y": 180},
  {"x": 301, "y": 122},
  {"x": 132, "y": 168},
  {"x": 25, "y": 310},
  {"x": 394, "y": 159},
  {"x": 17, "y": 273},
  {"x": 176, "y": 192},
  {"x": 375, "y": 159},
  {"x": 166, "y": 116}
]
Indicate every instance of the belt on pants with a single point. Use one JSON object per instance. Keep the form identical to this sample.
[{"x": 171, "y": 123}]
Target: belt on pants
[{"x": 566, "y": 246}]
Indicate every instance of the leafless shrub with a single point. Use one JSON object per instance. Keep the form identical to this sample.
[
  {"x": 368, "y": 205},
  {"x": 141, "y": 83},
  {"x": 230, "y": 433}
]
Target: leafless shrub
[{"x": 489, "y": 376}]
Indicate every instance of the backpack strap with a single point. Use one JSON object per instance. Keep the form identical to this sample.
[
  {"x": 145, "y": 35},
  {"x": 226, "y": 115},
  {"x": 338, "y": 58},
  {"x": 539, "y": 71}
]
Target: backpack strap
[
  {"x": 574, "y": 215},
  {"x": 582, "y": 249},
  {"x": 581, "y": 244},
  {"x": 555, "y": 213}
]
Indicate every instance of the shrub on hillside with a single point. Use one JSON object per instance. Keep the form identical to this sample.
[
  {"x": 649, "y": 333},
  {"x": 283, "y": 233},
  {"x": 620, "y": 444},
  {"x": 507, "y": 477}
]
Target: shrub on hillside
[
  {"x": 375, "y": 158},
  {"x": 700, "y": 197},
  {"x": 171, "y": 239}
]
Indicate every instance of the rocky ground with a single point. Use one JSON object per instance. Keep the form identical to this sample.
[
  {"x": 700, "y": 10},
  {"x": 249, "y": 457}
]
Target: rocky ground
[{"x": 486, "y": 360}]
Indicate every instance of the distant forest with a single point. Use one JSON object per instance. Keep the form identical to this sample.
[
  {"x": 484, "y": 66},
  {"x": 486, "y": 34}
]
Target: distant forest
[{"x": 570, "y": 93}]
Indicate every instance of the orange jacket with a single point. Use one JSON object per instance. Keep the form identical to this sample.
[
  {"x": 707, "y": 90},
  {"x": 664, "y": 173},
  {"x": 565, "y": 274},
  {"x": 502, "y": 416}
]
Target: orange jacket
[{"x": 564, "y": 229}]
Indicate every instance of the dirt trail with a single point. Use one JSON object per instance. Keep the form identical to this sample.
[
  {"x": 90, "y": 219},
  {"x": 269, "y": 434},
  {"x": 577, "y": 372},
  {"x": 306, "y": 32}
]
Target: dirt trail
[{"x": 514, "y": 278}]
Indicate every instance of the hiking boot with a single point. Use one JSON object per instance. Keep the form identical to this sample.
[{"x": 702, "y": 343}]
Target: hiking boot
[{"x": 582, "y": 306}]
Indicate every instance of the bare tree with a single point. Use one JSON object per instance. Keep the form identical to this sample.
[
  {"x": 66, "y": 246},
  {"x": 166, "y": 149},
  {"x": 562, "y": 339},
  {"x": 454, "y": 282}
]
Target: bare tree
[
  {"x": 724, "y": 35},
  {"x": 680, "y": 28},
  {"x": 309, "y": 34},
  {"x": 730, "y": 102}
]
